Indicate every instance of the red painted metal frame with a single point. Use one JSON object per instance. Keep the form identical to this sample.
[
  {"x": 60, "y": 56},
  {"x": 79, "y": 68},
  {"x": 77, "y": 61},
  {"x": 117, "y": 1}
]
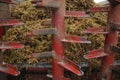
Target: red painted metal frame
[
  {"x": 39, "y": 55},
  {"x": 9, "y": 69},
  {"x": 7, "y": 1},
  {"x": 95, "y": 54},
  {"x": 98, "y": 9},
  {"x": 111, "y": 40},
  {"x": 95, "y": 30},
  {"x": 5, "y": 67},
  {"x": 75, "y": 39},
  {"x": 10, "y": 45},
  {"x": 58, "y": 46},
  {"x": 42, "y": 32},
  {"x": 10, "y": 22},
  {"x": 71, "y": 66},
  {"x": 58, "y": 21},
  {"x": 81, "y": 14}
]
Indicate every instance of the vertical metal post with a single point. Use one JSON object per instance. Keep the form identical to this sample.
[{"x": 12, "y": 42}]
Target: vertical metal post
[
  {"x": 111, "y": 40},
  {"x": 58, "y": 47}
]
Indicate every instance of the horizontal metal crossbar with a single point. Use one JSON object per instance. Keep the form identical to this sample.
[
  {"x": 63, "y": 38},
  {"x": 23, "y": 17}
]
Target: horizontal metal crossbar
[
  {"x": 10, "y": 45},
  {"x": 40, "y": 55},
  {"x": 81, "y": 14},
  {"x": 75, "y": 39},
  {"x": 95, "y": 54},
  {"x": 43, "y": 32},
  {"x": 48, "y": 66},
  {"x": 9, "y": 69},
  {"x": 95, "y": 30},
  {"x": 71, "y": 66},
  {"x": 98, "y": 9},
  {"x": 10, "y": 22}
]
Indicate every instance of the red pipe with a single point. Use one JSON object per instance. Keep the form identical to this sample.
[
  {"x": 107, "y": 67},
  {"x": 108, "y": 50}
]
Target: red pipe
[
  {"x": 111, "y": 40},
  {"x": 58, "y": 46}
]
